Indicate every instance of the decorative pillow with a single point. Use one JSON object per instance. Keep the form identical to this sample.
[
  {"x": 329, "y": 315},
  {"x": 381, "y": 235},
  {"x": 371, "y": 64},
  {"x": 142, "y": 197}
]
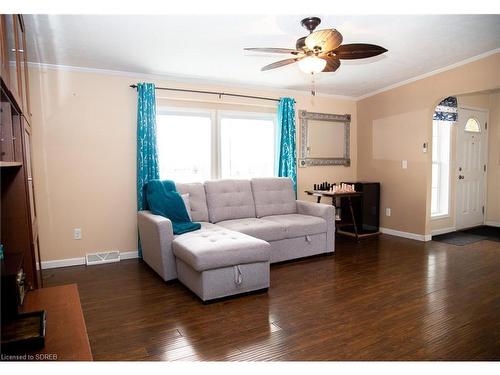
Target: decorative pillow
[{"x": 185, "y": 198}]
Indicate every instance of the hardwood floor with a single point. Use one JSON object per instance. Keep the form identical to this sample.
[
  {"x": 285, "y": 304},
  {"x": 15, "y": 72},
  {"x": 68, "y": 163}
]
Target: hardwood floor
[{"x": 383, "y": 299}]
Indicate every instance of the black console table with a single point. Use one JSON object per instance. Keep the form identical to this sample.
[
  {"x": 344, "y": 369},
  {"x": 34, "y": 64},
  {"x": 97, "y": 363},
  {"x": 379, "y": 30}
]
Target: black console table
[
  {"x": 348, "y": 195},
  {"x": 359, "y": 210}
]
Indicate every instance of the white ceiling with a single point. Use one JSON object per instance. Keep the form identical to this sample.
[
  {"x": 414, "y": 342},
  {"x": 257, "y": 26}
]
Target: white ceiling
[{"x": 210, "y": 48}]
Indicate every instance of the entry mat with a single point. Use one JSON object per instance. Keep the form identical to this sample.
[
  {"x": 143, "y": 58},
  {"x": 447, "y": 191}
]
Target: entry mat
[{"x": 468, "y": 236}]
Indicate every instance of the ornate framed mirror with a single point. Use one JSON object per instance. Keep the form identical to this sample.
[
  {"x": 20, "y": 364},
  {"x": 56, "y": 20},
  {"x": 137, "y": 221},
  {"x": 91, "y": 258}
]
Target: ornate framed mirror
[{"x": 324, "y": 139}]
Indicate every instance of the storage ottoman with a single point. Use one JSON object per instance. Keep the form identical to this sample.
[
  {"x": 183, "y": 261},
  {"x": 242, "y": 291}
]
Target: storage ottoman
[{"x": 215, "y": 262}]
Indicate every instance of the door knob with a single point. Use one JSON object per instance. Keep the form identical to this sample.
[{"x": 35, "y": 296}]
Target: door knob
[{"x": 460, "y": 177}]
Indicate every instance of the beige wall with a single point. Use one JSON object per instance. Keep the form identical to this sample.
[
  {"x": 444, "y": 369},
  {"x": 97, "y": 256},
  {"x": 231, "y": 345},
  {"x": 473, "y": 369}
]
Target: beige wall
[
  {"x": 479, "y": 100},
  {"x": 407, "y": 111},
  {"x": 84, "y": 146}
]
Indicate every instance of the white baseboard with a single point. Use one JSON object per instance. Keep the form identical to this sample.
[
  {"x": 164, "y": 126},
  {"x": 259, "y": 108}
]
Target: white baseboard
[
  {"x": 493, "y": 223},
  {"x": 58, "y": 263},
  {"x": 411, "y": 236},
  {"x": 62, "y": 263},
  {"x": 436, "y": 232}
]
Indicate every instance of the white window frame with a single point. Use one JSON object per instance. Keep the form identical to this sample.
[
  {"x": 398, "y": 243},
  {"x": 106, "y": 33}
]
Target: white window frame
[
  {"x": 442, "y": 193},
  {"x": 215, "y": 118},
  {"x": 244, "y": 115}
]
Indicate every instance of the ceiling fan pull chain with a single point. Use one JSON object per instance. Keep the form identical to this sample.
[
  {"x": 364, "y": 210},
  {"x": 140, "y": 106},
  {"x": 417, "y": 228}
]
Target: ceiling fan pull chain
[
  {"x": 313, "y": 88},
  {"x": 312, "y": 85}
]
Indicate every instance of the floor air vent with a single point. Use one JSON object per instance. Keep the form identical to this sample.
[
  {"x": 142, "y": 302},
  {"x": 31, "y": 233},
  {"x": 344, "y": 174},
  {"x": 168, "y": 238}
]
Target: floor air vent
[{"x": 102, "y": 258}]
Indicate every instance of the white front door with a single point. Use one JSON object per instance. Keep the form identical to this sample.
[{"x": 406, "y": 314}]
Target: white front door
[{"x": 470, "y": 167}]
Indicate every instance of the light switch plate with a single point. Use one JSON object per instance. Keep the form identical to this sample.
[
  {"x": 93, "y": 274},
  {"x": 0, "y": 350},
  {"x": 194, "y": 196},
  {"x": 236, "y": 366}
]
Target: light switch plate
[
  {"x": 387, "y": 212},
  {"x": 404, "y": 164}
]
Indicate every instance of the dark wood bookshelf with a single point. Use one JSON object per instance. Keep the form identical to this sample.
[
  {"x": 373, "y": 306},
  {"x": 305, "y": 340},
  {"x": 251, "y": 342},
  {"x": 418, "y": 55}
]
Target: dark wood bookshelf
[{"x": 18, "y": 210}]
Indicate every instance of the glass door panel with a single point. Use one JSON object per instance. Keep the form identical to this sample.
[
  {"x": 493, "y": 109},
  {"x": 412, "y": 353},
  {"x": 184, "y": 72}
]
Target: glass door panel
[
  {"x": 20, "y": 60},
  {"x": 29, "y": 173},
  {"x": 11, "y": 29},
  {"x": 23, "y": 65}
]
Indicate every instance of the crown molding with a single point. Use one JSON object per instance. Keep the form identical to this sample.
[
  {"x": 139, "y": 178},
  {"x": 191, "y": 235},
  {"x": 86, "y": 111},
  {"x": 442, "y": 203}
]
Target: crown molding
[
  {"x": 429, "y": 74},
  {"x": 200, "y": 80},
  {"x": 182, "y": 79}
]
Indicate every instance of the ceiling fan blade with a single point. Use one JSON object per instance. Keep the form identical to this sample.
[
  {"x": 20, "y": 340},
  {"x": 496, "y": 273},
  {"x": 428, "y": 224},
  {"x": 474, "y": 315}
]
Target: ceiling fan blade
[
  {"x": 358, "y": 51},
  {"x": 273, "y": 50},
  {"x": 327, "y": 40},
  {"x": 332, "y": 64},
  {"x": 280, "y": 63}
]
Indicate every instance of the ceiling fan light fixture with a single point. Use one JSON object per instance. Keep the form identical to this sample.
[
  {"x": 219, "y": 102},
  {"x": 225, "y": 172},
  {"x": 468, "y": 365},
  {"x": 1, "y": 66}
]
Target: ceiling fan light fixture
[
  {"x": 312, "y": 64},
  {"x": 321, "y": 50}
]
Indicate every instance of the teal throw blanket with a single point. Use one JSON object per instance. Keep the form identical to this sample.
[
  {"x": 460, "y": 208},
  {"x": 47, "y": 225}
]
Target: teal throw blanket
[{"x": 163, "y": 199}]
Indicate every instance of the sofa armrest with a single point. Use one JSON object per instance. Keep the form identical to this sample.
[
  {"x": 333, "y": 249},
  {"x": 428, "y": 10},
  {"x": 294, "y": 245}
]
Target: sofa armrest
[
  {"x": 324, "y": 211},
  {"x": 156, "y": 236}
]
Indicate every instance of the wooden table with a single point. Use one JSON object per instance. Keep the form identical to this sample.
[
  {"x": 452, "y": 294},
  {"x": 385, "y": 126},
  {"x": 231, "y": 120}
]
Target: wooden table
[
  {"x": 319, "y": 194},
  {"x": 66, "y": 334}
]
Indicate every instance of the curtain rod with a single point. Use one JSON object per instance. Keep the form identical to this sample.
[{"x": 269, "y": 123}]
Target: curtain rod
[
  {"x": 220, "y": 94},
  {"x": 216, "y": 101}
]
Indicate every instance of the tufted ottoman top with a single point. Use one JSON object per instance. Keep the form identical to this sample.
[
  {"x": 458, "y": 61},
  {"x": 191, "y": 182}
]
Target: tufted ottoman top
[{"x": 215, "y": 247}]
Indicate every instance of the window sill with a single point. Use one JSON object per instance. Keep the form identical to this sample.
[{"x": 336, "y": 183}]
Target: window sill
[{"x": 440, "y": 216}]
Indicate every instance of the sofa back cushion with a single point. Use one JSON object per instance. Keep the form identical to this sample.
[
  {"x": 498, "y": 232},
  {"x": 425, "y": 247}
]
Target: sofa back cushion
[
  {"x": 197, "y": 199},
  {"x": 273, "y": 196},
  {"x": 229, "y": 199}
]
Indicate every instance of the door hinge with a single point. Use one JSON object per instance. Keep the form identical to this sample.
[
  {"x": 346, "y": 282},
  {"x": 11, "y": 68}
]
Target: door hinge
[
  {"x": 485, "y": 126},
  {"x": 485, "y": 167},
  {"x": 483, "y": 210}
]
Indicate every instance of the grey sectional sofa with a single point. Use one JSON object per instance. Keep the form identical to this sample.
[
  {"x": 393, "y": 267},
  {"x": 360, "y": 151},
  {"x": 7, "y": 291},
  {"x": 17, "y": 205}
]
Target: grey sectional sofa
[{"x": 246, "y": 225}]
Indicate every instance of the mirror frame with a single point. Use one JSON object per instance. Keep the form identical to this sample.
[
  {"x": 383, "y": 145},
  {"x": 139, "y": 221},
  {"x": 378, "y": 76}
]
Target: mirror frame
[{"x": 304, "y": 160}]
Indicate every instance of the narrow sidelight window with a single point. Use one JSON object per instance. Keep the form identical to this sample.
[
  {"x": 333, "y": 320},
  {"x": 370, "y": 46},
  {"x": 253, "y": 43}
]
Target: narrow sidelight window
[{"x": 441, "y": 139}]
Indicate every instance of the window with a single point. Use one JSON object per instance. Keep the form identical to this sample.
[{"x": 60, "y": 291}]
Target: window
[
  {"x": 184, "y": 147},
  {"x": 194, "y": 146},
  {"x": 441, "y": 137},
  {"x": 472, "y": 126},
  {"x": 247, "y": 146}
]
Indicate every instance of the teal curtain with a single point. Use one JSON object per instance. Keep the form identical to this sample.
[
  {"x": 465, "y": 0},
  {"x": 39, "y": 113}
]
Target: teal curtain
[
  {"x": 287, "y": 160},
  {"x": 147, "y": 154}
]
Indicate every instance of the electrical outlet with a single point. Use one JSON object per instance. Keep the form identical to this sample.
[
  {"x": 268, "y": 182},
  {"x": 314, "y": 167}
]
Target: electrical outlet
[
  {"x": 404, "y": 164},
  {"x": 387, "y": 212},
  {"x": 77, "y": 233}
]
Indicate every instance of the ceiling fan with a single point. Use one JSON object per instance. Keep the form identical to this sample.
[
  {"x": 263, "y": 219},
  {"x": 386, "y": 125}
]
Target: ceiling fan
[{"x": 320, "y": 51}]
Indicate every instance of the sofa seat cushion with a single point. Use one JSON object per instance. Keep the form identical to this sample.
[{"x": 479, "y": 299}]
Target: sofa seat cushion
[
  {"x": 266, "y": 230},
  {"x": 297, "y": 225},
  {"x": 204, "y": 226},
  {"x": 215, "y": 247}
]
